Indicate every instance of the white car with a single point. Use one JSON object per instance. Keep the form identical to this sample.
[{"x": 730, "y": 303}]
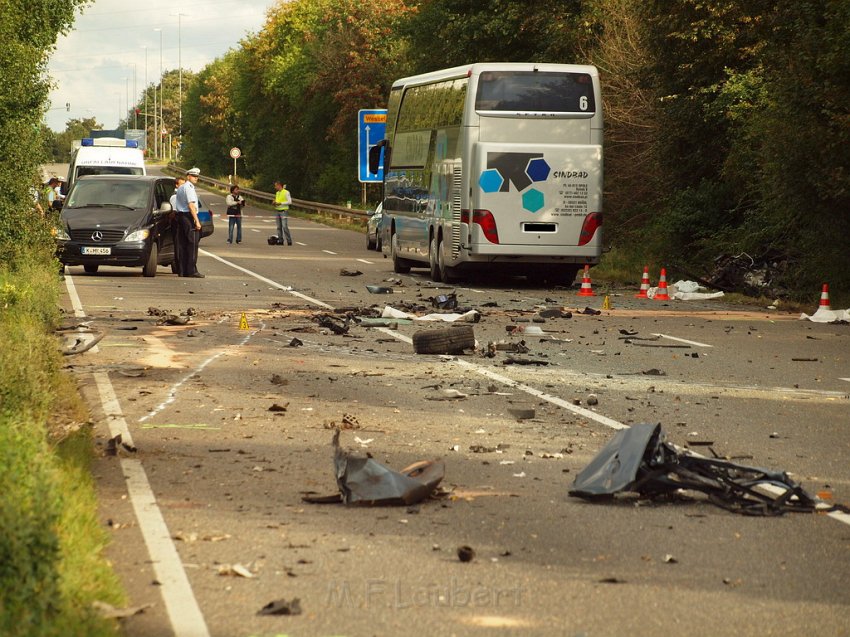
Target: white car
[{"x": 373, "y": 229}]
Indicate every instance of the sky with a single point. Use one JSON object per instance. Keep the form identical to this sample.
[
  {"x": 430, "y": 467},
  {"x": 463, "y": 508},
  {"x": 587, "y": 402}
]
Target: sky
[{"x": 99, "y": 67}]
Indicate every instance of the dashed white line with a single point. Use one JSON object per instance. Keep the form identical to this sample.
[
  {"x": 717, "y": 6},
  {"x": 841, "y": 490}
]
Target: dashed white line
[
  {"x": 328, "y": 252},
  {"x": 366, "y": 261}
]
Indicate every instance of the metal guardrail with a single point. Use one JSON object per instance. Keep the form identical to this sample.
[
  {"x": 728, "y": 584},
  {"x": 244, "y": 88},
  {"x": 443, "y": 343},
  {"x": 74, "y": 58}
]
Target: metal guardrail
[{"x": 265, "y": 197}]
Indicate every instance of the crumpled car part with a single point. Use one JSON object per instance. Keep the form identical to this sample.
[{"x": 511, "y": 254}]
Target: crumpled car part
[
  {"x": 363, "y": 481},
  {"x": 640, "y": 460}
]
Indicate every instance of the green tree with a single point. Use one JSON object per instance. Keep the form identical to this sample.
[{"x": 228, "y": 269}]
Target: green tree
[
  {"x": 28, "y": 30},
  {"x": 498, "y": 31},
  {"x": 75, "y": 129}
]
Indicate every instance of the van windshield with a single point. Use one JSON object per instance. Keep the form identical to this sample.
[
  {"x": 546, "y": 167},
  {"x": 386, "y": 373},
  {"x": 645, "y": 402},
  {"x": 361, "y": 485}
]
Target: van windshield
[
  {"x": 107, "y": 193},
  {"x": 83, "y": 171}
]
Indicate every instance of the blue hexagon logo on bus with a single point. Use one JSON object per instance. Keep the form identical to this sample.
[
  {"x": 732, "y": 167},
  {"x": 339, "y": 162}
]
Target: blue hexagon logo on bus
[
  {"x": 537, "y": 170},
  {"x": 490, "y": 180},
  {"x": 532, "y": 200}
]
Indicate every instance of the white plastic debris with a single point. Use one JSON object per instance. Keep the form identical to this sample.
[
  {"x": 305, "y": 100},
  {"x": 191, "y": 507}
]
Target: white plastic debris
[
  {"x": 473, "y": 316},
  {"x": 690, "y": 291},
  {"x": 827, "y": 316}
]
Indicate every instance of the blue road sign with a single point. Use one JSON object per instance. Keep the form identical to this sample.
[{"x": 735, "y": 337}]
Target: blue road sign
[{"x": 371, "y": 127}]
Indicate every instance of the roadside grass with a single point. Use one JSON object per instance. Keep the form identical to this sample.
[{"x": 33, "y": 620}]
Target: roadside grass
[{"x": 51, "y": 566}]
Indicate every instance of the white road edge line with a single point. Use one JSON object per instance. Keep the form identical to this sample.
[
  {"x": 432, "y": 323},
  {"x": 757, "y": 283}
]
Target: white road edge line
[{"x": 180, "y": 602}]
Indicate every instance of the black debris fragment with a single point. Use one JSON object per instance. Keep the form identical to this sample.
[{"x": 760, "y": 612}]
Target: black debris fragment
[
  {"x": 640, "y": 460},
  {"x": 379, "y": 289},
  {"x": 281, "y": 607},
  {"x": 347, "y": 272},
  {"x": 333, "y": 323},
  {"x": 445, "y": 301},
  {"x": 465, "y": 553}
]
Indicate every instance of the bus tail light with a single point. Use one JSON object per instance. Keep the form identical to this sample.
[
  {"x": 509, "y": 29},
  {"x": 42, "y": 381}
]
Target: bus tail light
[
  {"x": 592, "y": 222},
  {"x": 485, "y": 219}
]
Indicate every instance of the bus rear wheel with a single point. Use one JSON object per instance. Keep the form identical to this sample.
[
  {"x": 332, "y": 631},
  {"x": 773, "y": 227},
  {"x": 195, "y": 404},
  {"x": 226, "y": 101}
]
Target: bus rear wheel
[
  {"x": 446, "y": 273},
  {"x": 433, "y": 261},
  {"x": 400, "y": 266}
]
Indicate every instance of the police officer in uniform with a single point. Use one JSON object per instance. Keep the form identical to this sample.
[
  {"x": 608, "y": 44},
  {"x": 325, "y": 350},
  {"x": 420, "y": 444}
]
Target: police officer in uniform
[{"x": 188, "y": 225}]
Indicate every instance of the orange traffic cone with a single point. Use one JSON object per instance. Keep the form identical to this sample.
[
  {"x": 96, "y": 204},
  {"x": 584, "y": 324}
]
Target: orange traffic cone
[
  {"x": 824, "y": 298},
  {"x": 586, "y": 290},
  {"x": 661, "y": 293},
  {"x": 644, "y": 284}
]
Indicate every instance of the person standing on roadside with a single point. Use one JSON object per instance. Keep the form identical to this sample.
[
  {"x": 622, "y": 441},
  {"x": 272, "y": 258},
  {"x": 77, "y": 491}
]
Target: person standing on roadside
[
  {"x": 234, "y": 202},
  {"x": 174, "y": 217},
  {"x": 49, "y": 194},
  {"x": 282, "y": 201},
  {"x": 189, "y": 226}
]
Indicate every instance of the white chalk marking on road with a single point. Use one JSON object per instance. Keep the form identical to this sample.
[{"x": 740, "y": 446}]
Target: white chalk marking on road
[
  {"x": 274, "y": 284},
  {"x": 847, "y": 379},
  {"x": 298, "y": 243},
  {"x": 254, "y": 230},
  {"x": 328, "y": 252},
  {"x": 366, "y": 261},
  {"x": 180, "y": 602},
  {"x": 682, "y": 340},
  {"x": 172, "y": 394}
]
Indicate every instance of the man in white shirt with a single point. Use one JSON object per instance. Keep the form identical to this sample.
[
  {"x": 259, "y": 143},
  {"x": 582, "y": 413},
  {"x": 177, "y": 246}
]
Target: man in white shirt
[{"x": 188, "y": 225}]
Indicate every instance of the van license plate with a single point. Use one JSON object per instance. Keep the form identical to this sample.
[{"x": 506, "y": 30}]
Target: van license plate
[{"x": 95, "y": 250}]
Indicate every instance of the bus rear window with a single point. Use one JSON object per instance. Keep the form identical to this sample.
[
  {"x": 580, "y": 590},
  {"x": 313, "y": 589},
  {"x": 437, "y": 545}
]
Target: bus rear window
[{"x": 530, "y": 91}]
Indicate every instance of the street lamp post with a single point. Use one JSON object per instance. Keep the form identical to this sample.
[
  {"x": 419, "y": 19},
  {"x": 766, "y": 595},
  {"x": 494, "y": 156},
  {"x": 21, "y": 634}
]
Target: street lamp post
[
  {"x": 180, "y": 78},
  {"x": 161, "y": 95},
  {"x": 146, "y": 96}
]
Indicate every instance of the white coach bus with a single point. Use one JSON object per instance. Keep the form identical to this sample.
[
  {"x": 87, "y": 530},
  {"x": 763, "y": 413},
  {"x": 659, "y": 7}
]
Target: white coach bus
[{"x": 494, "y": 165}]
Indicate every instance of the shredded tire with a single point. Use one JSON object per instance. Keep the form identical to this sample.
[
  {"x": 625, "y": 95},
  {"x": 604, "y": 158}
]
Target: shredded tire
[{"x": 447, "y": 340}]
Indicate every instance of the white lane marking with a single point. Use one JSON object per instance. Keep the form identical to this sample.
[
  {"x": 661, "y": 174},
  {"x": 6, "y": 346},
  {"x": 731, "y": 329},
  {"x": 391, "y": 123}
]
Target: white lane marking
[
  {"x": 298, "y": 243},
  {"x": 254, "y": 230},
  {"x": 366, "y": 261},
  {"x": 847, "y": 379},
  {"x": 75, "y": 298},
  {"x": 274, "y": 284},
  {"x": 79, "y": 312},
  {"x": 586, "y": 413},
  {"x": 328, "y": 252},
  {"x": 180, "y": 602},
  {"x": 682, "y": 340}
]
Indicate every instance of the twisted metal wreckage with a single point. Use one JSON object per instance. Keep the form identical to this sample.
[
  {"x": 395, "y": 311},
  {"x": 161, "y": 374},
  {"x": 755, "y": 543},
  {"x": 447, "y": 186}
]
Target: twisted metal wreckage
[{"x": 640, "y": 460}]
